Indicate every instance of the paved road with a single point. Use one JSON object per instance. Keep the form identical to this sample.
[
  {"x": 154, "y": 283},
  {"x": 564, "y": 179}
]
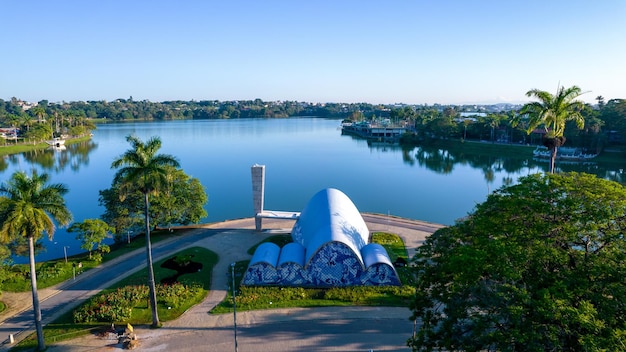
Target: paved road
[
  {"x": 197, "y": 326},
  {"x": 318, "y": 329}
]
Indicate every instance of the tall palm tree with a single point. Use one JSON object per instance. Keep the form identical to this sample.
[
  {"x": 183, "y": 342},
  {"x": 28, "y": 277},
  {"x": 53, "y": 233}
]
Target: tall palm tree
[
  {"x": 141, "y": 168},
  {"x": 40, "y": 112},
  {"x": 28, "y": 208},
  {"x": 553, "y": 111},
  {"x": 493, "y": 121}
]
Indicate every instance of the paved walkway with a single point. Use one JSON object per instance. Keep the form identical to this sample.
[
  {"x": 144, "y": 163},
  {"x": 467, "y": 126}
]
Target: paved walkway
[{"x": 231, "y": 244}]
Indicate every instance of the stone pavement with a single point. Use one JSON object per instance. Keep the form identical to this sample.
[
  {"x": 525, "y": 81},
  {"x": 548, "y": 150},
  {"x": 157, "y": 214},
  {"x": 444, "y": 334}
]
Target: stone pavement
[{"x": 231, "y": 245}]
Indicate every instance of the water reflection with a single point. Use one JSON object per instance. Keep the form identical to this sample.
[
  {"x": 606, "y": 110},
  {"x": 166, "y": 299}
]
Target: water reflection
[
  {"x": 438, "y": 160},
  {"x": 57, "y": 159},
  {"x": 443, "y": 161},
  {"x": 4, "y": 163}
]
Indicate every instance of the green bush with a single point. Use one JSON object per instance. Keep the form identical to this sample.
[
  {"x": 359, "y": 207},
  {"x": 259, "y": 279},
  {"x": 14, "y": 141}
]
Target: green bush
[
  {"x": 183, "y": 260},
  {"x": 51, "y": 272},
  {"x": 393, "y": 245},
  {"x": 176, "y": 294},
  {"x": 117, "y": 305},
  {"x": 112, "y": 306},
  {"x": 96, "y": 257},
  {"x": 255, "y": 296},
  {"x": 370, "y": 295}
]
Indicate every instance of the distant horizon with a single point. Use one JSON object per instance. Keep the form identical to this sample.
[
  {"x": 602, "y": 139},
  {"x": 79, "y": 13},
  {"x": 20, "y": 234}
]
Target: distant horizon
[
  {"x": 266, "y": 101},
  {"x": 450, "y": 52}
]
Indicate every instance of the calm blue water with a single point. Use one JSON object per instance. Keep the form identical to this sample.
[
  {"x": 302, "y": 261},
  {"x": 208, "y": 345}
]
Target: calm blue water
[{"x": 301, "y": 157}]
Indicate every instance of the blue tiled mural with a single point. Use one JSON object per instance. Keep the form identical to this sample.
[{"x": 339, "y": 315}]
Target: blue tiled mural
[{"x": 329, "y": 249}]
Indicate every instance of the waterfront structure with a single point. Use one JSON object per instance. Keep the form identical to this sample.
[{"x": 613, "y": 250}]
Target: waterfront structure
[
  {"x": 258, "y": 200},
  {"x": 330, "y": 248},
  {"x": 565, "y": 153},
  {"x": 376, "y": 131}
]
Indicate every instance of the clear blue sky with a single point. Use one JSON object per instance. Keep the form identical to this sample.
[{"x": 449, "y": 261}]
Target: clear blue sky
[{"x": 417, "y": 52}]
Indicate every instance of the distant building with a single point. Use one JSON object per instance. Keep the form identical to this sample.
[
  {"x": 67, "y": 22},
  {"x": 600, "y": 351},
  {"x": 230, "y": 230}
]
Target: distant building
[{"x": 472, "y": 114}]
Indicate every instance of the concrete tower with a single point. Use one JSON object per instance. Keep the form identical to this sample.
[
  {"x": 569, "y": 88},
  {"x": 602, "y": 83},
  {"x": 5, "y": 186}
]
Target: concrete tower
[{"x": 258, "y": 193}]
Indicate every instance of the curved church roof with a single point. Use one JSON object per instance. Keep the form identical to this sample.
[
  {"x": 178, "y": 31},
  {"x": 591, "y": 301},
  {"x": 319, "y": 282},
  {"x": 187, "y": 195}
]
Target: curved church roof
[
  {"x": 330, "y": 248},
  {"x": 330, "y": 216}
]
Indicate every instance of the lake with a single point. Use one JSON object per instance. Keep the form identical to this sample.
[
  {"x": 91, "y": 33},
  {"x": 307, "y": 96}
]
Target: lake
[{"x": 301, "y": 156}]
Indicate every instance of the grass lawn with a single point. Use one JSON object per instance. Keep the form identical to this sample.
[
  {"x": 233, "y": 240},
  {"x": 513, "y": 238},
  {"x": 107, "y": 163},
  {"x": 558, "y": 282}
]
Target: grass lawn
[{"x": 65, "y": 328}]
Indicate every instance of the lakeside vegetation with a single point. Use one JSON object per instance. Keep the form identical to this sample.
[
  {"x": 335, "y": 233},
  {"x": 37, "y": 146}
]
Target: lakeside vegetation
[{"x": 433, "y": 130}]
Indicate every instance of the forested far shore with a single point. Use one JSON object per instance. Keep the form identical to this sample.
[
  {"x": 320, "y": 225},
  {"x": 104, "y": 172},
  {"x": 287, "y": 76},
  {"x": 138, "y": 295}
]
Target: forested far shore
[
  {"x": 604, "y": 122},
  {"x": 129, "y": 109}
]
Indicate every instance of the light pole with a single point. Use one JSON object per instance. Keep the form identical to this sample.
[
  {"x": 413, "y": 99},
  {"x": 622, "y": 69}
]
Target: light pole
[
  {"x": 65, "y": 252},
  {"x": 232, "y": 266},
  {"x": 128, "y": 234}
]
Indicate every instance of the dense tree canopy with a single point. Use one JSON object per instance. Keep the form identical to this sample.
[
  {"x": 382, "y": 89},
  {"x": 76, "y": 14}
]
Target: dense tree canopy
[
  {"x": 539, "y": 266},
  {"x": 180, "y": 202}
]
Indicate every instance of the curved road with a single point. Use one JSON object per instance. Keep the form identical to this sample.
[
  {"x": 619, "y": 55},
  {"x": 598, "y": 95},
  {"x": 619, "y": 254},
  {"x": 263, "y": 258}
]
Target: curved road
[{"x": 68, "y": 295}]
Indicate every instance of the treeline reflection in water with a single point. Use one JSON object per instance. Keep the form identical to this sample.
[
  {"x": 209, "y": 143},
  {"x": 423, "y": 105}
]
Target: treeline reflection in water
[
  {"x": 443, "y": 161},
  {"x": 302, "y": 156},
  {"x": 52, "y": 159}
]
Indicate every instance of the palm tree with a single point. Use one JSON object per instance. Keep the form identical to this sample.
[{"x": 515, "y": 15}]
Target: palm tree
[
  {"x": 493, "y": 121},
  {"x": 141, "y": 168},
  {"x": 553, "y": 111},
  {"x": 28, "y": 208},
  {"x": 40, "y": 112}
]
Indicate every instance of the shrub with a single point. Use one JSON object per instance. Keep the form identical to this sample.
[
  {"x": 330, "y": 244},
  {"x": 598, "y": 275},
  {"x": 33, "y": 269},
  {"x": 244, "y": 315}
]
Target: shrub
[
  {"x": 176, "y": 294},
  {"x": 183, "y": 260},
  {"x": 118, "y": 305},
  {"x": 104, "y": 308}
]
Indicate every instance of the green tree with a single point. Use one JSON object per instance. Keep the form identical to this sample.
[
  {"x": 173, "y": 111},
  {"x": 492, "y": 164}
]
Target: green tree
[
  {"x": 539, "y": 266},
  {"x": 13, "y": 120},
  {"x": 141, "y": 168},
  {"x": 28, "y": 208},
  {"x": 356, "y": 116},
  {"x": 39, "y": 132},
  {"x": 91, "y": 233},
  {"x": 39, "y": 112},
  {"x": 492, "y": 121},
  {"x": 553, "y": 111},
  {"x": 26, "y": 120},
  {"x": 124, "y": 214},
  {"x": 181, "y": 201},
  {"x": 613, "y": 113}
]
